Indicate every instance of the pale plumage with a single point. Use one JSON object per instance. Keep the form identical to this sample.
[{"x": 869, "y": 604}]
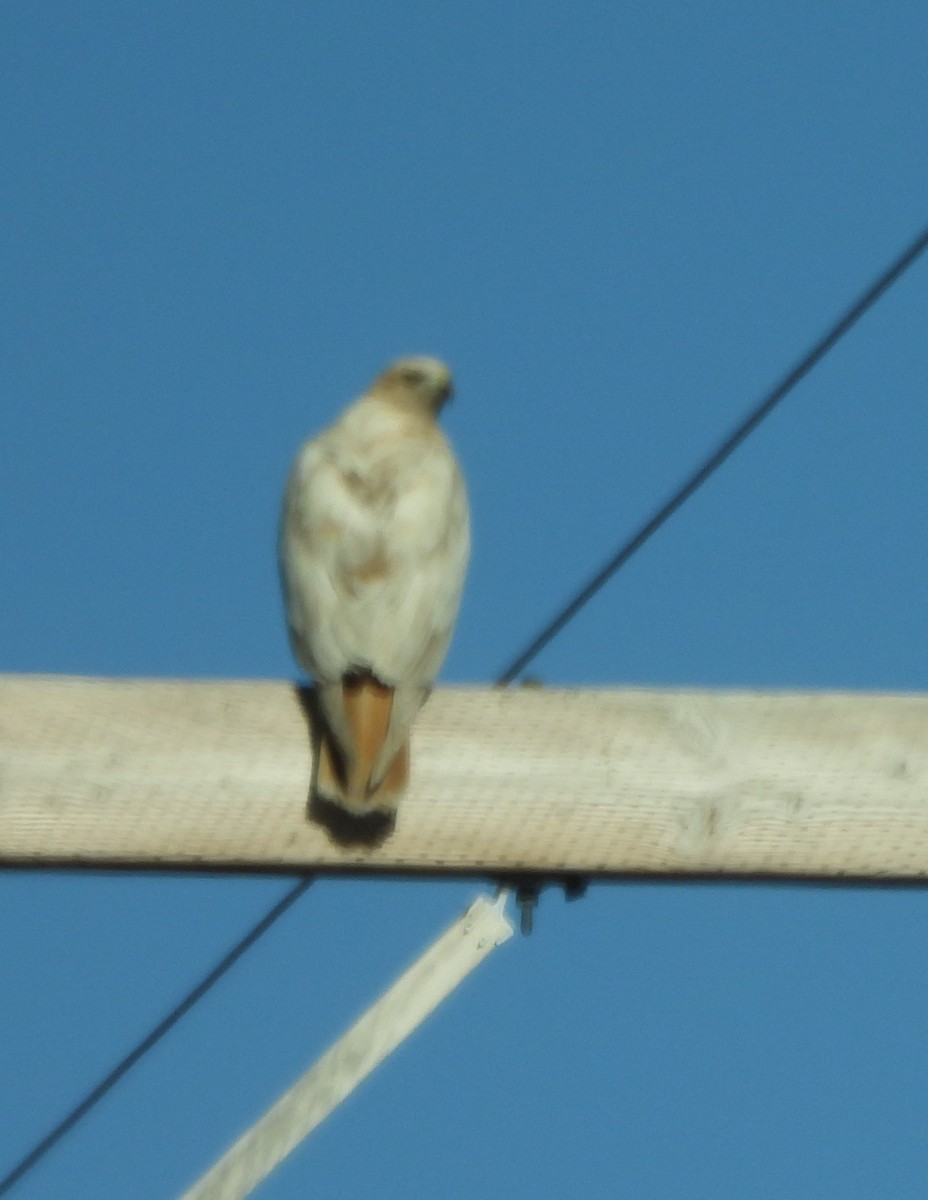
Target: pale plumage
[{"x": 373, "y": 549}]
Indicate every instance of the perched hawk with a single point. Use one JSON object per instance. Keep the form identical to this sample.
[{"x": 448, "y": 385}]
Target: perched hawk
[{"x": 374, "y": 542}]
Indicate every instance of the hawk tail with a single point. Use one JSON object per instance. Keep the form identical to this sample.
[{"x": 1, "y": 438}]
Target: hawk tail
[{"x": 352, "y": 772}]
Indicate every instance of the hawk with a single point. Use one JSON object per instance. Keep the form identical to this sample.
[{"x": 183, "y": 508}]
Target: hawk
[{"x": 374, "y": 542}]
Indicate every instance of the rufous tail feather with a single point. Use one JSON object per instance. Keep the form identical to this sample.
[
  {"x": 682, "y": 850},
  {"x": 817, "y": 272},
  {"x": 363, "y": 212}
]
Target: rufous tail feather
[{"x": 367, "y": 705}]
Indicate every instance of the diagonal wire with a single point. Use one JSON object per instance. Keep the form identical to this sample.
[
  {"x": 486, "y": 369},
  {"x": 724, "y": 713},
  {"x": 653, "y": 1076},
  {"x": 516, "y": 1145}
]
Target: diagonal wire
[
  {"x": 718, "y": 456},
  {"x": 96, "y": 1094}
]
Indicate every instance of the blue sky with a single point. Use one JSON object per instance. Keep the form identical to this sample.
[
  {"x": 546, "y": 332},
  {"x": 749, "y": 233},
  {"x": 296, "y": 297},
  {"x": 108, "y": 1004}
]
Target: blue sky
[{"x": 619, "y": 224}]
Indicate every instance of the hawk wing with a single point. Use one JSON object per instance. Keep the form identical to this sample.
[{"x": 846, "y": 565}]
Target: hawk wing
[
  {"x": 373, "y": 556},
  {"x": 373, "y": 551}
]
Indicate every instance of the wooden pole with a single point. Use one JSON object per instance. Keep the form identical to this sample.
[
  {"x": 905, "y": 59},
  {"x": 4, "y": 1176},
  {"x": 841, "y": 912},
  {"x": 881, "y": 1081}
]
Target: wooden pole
[{"x": 215, "y": 775}]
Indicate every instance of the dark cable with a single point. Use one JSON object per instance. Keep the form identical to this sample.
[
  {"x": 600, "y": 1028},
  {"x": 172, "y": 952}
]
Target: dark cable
[
  {"x": 97, "y": 1093},
  {"x": 717, "y": 457}
]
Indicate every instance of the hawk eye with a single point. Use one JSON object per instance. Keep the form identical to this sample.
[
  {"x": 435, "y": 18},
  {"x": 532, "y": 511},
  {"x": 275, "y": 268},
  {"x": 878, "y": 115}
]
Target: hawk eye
[{"x": 412, "y": 375}]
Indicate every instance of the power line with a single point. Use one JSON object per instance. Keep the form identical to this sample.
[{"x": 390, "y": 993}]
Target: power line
[
  {"x": 717, "y": 457},
  {"x": 96, "y": 1094}
]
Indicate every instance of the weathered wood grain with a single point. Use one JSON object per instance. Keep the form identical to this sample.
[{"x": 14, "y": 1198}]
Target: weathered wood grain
[{"x": 215, "y": 775}]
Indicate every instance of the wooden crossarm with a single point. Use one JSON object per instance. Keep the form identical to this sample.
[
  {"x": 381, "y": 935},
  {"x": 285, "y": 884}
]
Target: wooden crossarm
[{"x": 214, "y": 775}]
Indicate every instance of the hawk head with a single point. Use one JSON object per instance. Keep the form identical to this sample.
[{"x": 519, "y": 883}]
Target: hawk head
[{"x": 419, "y": 381}]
